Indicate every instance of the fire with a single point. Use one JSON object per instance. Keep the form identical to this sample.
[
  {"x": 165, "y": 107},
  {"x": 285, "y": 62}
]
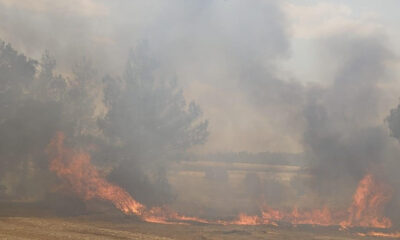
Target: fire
[
  {"x": 245, "y": 219},
  {"x": 380, "y": 234},
  {"x": 322, "y": 217},
  {"x": 366, "y": 210},
  {"x": 271, "y": 216},
  {"x": 368, "y": 205},
  {"x": 78, "y": 175},
  {"x": 166, "y": 215}
]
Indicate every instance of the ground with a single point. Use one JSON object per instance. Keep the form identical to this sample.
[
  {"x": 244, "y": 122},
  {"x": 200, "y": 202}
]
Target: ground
[{"x": 97, "y": 227}]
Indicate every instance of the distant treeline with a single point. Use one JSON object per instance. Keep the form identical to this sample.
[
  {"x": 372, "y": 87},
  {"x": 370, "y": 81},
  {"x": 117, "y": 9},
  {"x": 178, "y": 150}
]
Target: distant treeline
[{"x": 289, "y": 159}]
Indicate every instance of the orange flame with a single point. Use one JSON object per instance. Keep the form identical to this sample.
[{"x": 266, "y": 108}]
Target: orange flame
[
  {"x": 322, "y": 217},
  {"x": 366, "y": 210},
  {"x": 380, "y": 234},
  {"x": 368, "y": 205},
  {"x": 244, "y": 219},
  {"x": 80, "y": 176},
  {"x": 77, "y": 173}
]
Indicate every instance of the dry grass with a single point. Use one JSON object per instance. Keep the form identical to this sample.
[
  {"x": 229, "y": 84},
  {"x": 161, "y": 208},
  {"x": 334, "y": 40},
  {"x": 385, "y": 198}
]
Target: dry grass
[{"x": 118, "y": 227}]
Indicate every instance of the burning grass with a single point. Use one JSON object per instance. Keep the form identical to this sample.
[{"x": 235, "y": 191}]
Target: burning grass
[{"x": 79, "y": 176}]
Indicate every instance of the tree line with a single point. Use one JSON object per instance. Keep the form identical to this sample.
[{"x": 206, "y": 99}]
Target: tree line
[{"x": 134, "y": 123}]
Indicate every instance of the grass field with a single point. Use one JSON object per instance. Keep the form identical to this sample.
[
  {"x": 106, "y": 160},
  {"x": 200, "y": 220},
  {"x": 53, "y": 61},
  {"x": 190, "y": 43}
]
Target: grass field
[{"x": 100, "y": 227}]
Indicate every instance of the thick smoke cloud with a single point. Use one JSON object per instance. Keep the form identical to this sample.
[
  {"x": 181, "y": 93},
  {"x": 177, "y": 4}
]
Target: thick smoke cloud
[
  {"x": 345, "y": 134},
  {"x": 126, "y": 98},
  {"x": 208, "y": 44}
]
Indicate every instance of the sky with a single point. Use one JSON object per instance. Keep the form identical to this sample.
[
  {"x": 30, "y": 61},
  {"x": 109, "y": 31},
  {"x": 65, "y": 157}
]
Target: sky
[
  {"x": 252, "y": 66},
  {"x": 320, "y": 16}
]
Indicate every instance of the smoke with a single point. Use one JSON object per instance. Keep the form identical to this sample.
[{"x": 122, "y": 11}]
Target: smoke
[
  {"x": 196, "y": 45},
  {"x": 345, "y": 133},
  {"x": 207, "y": 44},
  {"x": 119, "y": 77}
]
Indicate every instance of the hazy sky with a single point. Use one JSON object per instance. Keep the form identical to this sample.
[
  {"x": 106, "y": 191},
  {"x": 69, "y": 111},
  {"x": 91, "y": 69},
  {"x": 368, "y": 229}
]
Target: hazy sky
[{"x": 247, "y": 63}]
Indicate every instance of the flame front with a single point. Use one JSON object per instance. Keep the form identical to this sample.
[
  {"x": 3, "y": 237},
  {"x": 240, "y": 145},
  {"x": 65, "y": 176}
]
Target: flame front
[
  {"x": 244, "y": 219},
  {"x": 366, "y": 210},
  {"x": 368, "y": 204},
  {"x": 322, "y": 217},
  {"x": 78, "y": 175},
  {"x": 380, "y": 234}
]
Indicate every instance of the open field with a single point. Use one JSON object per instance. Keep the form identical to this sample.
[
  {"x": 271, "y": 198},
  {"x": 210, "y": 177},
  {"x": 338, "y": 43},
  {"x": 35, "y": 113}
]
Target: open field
[{"x": 96, "y": 227}]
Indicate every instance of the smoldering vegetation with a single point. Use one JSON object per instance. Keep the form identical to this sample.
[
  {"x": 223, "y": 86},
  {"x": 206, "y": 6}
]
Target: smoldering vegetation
[{"x": 124, "y": 103}]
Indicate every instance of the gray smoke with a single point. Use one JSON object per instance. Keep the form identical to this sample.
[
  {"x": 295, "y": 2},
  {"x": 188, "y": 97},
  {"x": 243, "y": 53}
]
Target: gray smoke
[{"x": 126, "y": 73}]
